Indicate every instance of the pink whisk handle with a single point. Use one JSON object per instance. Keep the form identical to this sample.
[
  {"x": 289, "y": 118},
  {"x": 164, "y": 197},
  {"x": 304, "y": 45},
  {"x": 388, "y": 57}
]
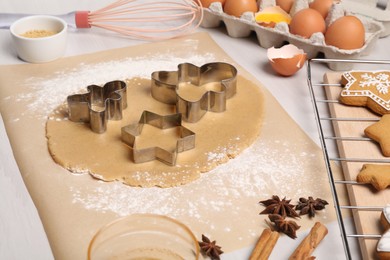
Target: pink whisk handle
[{"x": 81, "y": 18}]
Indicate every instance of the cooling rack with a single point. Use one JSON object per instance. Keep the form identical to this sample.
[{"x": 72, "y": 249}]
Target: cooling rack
[{"x": 341, "y": 134}]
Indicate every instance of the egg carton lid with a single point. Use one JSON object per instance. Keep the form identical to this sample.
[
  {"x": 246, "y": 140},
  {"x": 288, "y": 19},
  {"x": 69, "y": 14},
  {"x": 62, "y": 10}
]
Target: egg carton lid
[
  {"x": 280, "y": 35},
  {"x": 379, "y": 10}
]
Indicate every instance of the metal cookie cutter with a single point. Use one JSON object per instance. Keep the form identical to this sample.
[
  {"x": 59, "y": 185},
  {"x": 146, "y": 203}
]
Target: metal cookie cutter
[
  {"x": 222, "y": 76},
  {"x": 98, "y": 105},
  {"x": 130, "y": 133}
]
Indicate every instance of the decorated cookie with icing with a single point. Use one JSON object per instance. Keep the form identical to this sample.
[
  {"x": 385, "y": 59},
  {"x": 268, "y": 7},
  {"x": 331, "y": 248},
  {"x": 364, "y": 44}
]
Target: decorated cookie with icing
[
  {"x": 367, "y": 88},
  {"x": 383, "y": 247}
]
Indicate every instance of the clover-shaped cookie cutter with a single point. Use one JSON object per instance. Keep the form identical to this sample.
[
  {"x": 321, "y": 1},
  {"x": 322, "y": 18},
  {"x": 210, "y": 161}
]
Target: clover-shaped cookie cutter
[
  {"x": 98, "y": 105},
  {"x": 130, "y": 132},
  {"x": 166, "y": 84}
]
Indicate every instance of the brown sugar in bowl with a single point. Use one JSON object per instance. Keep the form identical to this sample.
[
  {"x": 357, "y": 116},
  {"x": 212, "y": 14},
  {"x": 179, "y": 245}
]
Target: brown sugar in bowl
[{"x": 39, "y": 38}]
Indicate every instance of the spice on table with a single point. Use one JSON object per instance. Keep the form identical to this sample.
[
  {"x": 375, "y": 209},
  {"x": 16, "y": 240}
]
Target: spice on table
[
  {"x": 264, "y": 245},
  {"x": 277, "y": 206},
  {"x": 38, "y": 33},
  {"x": 310, "y": 206},
  {"x": 280, "y": 224},
  {"x": 209, "y": 248},
  {"x": 310, "y": 242}
]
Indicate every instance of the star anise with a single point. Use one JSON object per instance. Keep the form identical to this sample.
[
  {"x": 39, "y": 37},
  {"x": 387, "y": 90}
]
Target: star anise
[
  {"x": 288, "y": 227},
  {"x": 209, "y": 248},
  {"x": 281, "y": 207},
  {"x": 310, "y": 205}
]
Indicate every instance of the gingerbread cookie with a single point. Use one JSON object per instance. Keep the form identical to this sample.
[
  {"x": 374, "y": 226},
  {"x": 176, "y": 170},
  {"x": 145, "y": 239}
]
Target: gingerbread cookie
[
  {"x": 383, "y": 247},
  {"x": 380, "y": 132},
  {"x": 378, "y": 175},
  {"x": 364, "y": 88}
]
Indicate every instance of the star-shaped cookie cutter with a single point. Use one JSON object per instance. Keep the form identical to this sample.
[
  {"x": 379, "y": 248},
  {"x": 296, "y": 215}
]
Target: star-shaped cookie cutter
[
  {"x": 98, "y": 105},
  {"x": 130, "y": 132},
  {"x": 166, "y": 84}
]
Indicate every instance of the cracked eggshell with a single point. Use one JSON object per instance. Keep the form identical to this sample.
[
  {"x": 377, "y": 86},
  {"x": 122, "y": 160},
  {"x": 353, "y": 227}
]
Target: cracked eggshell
[
  {"x": 270, "y": 16},
  {"x": 286, "y": 60}
]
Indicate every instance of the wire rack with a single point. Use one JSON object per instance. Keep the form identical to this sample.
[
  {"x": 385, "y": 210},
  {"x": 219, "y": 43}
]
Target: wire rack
[{"x": 332, "y": 141}]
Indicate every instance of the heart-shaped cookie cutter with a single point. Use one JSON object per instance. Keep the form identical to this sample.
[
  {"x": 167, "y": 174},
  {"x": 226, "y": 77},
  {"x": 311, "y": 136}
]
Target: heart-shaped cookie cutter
[
  {"x": 98, "y": 105},
  {"x": 130, "y": 132},
  {"x": 166, "y": 85}
]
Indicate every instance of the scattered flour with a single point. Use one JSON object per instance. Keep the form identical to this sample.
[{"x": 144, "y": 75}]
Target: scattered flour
[
  {"x": 251, "y": 168},
  {"x": 75, "y": 80}
]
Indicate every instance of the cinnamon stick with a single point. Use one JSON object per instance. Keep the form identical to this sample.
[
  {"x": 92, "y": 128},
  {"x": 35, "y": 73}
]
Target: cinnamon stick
[
  {"x": 311, "y": 241},
  {"x": 264, "y": 245}
]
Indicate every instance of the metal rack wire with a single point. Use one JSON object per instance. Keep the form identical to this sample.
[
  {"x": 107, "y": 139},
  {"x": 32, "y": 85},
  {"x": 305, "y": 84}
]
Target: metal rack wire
[{"x": 324, "y": 124}]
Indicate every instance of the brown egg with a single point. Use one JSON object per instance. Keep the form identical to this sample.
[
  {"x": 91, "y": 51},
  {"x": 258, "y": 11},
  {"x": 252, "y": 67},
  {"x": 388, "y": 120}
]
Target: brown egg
[
  {"x": 238, "y": 7},
  {"x": 346, "y": 33},
  {"x": 286, "y": 60},
  {"x": 306, "y": 22},
  {"x": 207, "y": 3},
  {"x": 285, "y": 4},
  {"x": 322, "y": 6}
]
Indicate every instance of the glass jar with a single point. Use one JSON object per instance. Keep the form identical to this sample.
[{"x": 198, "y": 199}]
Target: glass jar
[{"x": 144, "y": 236}]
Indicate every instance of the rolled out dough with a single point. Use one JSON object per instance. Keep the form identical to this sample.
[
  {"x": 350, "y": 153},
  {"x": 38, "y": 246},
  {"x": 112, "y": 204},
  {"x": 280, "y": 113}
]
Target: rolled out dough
[{"x": 219, "y": 137}]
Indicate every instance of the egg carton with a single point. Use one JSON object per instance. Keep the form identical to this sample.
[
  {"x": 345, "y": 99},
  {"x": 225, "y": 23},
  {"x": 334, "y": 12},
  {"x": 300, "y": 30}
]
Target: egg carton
[
  {"x": 379, "y": 10},
  {"x": 279, "y": 35}
]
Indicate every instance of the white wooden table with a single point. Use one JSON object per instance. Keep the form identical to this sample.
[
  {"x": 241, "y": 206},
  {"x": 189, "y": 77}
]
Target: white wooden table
[{"x": 21, "y": 232}]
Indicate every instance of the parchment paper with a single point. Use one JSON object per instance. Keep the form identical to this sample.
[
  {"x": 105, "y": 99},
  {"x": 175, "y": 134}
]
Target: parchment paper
[{"x": 222, "y": 204}]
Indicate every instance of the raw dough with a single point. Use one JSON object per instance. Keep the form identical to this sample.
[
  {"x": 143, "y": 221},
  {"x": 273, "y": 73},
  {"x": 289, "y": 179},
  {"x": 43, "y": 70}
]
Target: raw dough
[{"x": 219, "y": 137}]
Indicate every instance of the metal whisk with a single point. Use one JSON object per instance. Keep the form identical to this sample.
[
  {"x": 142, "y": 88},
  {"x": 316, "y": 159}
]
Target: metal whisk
[{"x": 141, "y": 19}]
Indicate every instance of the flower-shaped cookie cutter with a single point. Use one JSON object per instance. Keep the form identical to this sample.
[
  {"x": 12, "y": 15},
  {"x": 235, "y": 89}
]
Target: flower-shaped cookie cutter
[
  {"x": 98, "y": 105},
  {"x": 186, "y": 140},
  {"x": 166, "y": 87}
]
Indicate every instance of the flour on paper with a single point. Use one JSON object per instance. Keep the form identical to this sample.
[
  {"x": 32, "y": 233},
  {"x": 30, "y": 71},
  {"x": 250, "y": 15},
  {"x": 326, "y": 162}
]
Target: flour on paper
[{"x": 68, "y": 81}]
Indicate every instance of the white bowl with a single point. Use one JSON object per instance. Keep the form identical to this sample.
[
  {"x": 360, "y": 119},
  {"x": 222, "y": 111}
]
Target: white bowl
[{"x": 41, "y": 49}]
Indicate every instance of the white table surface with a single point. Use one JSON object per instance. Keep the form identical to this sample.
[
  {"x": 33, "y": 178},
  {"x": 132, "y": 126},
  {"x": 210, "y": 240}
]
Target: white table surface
[{"x": 21, "y": 232}]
